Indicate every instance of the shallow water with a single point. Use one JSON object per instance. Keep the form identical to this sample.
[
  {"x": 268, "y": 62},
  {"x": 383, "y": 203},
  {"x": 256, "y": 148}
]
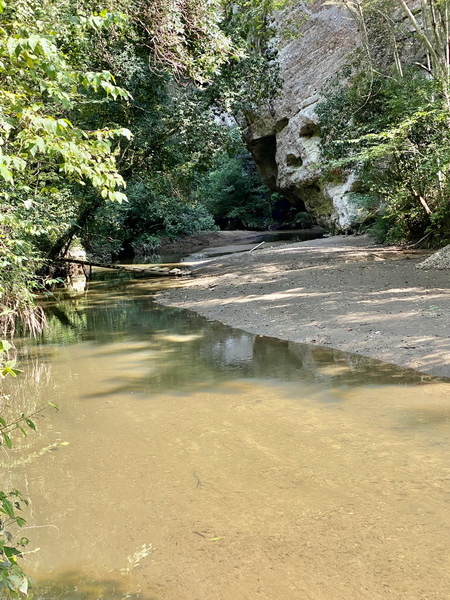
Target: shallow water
[{"x": 191, "y": 461}]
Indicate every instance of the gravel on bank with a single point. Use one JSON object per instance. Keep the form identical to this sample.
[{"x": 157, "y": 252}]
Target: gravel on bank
[
  {"x": 438, "y": 260},
  {"x": 340, "y": 292}
]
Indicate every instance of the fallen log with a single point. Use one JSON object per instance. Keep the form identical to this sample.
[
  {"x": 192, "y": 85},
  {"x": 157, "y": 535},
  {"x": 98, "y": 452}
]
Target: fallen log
[{"x": 152, "y": 271}]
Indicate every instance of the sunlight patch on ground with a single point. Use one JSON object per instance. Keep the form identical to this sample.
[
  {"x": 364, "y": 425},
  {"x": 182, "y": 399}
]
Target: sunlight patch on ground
[{"x": 355, "y": 318}]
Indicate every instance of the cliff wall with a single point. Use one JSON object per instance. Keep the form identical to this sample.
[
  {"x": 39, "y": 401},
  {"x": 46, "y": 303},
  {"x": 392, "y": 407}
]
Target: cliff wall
[{"x": 285, "y": 141}]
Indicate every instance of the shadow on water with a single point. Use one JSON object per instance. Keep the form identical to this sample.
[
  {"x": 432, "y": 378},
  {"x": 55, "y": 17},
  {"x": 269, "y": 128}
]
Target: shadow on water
[{"x": 177, "y": 350}]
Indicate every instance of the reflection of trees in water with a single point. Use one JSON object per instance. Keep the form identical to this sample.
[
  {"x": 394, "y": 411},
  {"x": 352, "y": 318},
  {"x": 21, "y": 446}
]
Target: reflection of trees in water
[
  {"x": 67, "y": 321},
  {"x": 263, "y": 357},
  {"x": 27, "y": 393},
  {"x": 186, "y": 350},
  {"x": 232, "y": 351},
  {"x": 290, "y": 361},
  {"x": 108, "y": 317}
]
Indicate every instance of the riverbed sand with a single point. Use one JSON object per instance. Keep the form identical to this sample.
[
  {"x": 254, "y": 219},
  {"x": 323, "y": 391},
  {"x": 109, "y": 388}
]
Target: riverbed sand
[{"x": 341, "y": 292}]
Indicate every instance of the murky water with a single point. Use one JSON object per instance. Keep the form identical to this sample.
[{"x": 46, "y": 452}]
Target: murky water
[{"x": 191, "y": 461}]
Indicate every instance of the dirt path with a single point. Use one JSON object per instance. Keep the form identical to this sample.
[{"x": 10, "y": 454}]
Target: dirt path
[{"x": 341, "y": 292}]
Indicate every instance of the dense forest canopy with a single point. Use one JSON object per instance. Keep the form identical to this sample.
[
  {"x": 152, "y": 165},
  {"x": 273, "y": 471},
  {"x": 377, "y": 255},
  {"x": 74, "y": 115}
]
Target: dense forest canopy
[
  {"x": 93, "y": 103},
  {"x": 118, "y": 127}
]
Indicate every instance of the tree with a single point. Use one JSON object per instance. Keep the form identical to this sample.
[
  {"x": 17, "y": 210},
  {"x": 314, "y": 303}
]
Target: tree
[
  {"x": 175, "y": 113},
  {"x": 433, "y": 30},
  {"x": 184, "y": 36},
  {"x": 249, "y": 81},
  {"x": 430, "y": 22},
  {"x": 44, "y": 156},
  {"x": 236, "y": 196},
  {"x": 63, "y": 116},
  {"x": 397, "y": 138}
]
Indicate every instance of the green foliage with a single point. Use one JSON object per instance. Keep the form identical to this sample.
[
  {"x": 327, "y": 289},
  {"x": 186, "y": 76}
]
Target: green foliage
[
  {"x": 18, "y": 262},
  {"x": 175, "y": 140},
  {"x": 89, "y": 102},
  {"x": 236, "y": 197},
  {"x": 7, "y": 367},
  {"x": 38, "y": 86},
  {"x": 184, "y": 37},
  {"x": 46, "y": 158},
  {"x": 13, "y": 582},
  {"x": 387, "y": 119},
  {"x": 65, "y": 120},
  {"x": 398, "y": 141},
  {"x": 157, "y": 210},
  {"x": 249, "y": 81},
  {"x": 299, "y": 220}
]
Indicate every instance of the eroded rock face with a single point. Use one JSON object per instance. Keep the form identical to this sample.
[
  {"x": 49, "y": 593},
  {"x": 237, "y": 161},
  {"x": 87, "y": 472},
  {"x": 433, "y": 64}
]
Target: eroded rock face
[{"x": 286, "y": 142}]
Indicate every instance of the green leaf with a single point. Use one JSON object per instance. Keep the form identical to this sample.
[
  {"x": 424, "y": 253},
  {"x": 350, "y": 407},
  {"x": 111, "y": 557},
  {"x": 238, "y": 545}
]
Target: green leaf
[
  {"x": 6, "y": 174},
  {"x": 6, "y": 507},
  {"x": 50, "y": 125},
  {"x": 23, "y": 588},
  {"x": 118, "y": 197},
  {"x": 124, "y": 132},
  {"x": 7, "y": 440},
  {"x": 9, "y": 371},
  {"x": 10, "y": 551}
]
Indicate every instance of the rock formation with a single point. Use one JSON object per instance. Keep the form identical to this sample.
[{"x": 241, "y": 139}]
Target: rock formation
[{"x": 285, "y": 142}]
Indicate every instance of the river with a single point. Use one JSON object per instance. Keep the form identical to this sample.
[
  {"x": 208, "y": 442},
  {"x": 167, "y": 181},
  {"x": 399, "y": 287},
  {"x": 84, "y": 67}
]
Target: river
[{"x": 192, "y": 461}]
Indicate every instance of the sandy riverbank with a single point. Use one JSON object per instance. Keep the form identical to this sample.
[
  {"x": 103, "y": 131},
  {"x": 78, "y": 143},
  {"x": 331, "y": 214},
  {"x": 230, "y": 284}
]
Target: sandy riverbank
[{"x": 340, "y": 292}]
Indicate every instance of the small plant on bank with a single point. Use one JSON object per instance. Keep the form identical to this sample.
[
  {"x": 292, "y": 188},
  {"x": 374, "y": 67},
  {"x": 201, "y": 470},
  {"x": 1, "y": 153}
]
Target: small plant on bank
[{"x": 14, "y": 584}]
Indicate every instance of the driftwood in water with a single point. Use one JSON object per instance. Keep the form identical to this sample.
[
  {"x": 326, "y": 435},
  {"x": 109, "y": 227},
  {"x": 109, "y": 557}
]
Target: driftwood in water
[{"x": 153, "y": 271}]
